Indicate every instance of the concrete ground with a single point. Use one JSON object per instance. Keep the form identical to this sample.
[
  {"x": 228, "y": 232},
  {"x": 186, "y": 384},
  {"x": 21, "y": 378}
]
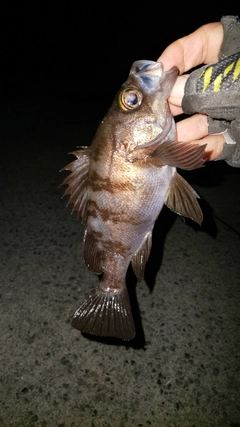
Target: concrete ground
[{"x": 183, "y": 367}]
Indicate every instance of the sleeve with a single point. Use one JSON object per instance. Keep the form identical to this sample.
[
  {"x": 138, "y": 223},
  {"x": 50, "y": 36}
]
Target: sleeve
[{"x": 215, "y": 90}]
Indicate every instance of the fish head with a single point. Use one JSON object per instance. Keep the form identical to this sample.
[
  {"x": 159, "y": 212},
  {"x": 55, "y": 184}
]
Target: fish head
[{"x": 140, "y": 110}]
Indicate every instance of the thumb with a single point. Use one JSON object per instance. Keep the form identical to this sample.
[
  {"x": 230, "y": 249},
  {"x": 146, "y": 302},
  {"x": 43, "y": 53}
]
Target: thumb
[{"x": 177, "y": 92}]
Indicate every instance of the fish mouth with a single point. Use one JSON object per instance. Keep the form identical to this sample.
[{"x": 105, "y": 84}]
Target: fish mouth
[
  {"x": 152, "y": 76},
  {"x": 143, "y": 67}
]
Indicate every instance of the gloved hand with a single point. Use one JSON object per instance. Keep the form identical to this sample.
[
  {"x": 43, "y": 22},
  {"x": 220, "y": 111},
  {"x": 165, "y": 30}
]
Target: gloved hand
[
  {"x": 211, "y": 94},
  {"x": 215, "y": 90}
]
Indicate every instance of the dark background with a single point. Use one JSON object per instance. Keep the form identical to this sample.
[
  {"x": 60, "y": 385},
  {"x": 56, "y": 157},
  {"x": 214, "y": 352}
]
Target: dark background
[{"x": 86, "y": 49}]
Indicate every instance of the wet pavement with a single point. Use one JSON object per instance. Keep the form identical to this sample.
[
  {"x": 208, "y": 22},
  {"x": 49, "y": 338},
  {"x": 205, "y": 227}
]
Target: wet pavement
[{"x": 183, "y": 367}]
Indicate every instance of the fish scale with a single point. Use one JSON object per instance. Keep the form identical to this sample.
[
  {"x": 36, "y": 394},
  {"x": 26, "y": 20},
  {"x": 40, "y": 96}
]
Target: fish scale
[{"x": 118, "y": 187}]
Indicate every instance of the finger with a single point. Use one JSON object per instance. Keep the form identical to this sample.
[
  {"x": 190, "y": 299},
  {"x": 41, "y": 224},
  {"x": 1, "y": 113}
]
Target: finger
[
  {"x": 201, "y": 46},
  {"x": 214, "y": 148},
  {"x": 177, "y": 92},
  {"x": 176, "y": 111},
  {"x": 193, "y": 128}
]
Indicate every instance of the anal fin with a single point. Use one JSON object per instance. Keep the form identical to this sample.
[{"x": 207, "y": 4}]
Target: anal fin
[
  {"x": 182, "y": 199},
  {"x": 92, "y": 256},
  {"x": 141, "y": 256},
  {"x": 106, "y": 314}
]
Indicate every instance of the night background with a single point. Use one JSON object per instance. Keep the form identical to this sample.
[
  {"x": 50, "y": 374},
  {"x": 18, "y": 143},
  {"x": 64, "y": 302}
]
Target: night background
[
  {"x": 61, "y": 66},
  {"x": 72, "y": 49}
]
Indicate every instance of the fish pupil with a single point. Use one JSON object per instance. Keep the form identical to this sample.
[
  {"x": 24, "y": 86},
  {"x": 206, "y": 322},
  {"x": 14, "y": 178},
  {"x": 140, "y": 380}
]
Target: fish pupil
[{"x": 132, "y": 99}]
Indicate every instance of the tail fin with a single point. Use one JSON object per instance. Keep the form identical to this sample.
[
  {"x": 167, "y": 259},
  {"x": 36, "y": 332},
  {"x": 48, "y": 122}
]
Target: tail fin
[{"x": 106, "y": 314}]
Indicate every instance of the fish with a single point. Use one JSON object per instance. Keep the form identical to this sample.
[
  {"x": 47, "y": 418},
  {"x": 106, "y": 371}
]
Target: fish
[{"x": 118, "y": 186}]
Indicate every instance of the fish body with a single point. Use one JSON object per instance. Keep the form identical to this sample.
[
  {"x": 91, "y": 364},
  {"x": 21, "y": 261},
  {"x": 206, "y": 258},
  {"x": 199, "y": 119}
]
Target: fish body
[{"x": 119, "y": 185}]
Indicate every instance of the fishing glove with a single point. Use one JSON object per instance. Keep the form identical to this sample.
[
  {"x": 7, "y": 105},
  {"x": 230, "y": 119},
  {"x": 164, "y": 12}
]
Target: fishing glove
[{"x": 215, "y": 90}]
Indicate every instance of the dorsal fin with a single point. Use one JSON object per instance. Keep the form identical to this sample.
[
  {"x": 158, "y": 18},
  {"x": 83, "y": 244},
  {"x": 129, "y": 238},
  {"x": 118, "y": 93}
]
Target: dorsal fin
[
  {"x": 181, "y": 198},
  {"x": 141, "y": 256},
  {"x": 77, "y": 181}
]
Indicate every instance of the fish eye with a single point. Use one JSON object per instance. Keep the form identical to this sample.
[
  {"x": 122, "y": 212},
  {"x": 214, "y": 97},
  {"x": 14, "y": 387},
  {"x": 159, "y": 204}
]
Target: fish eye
[{"x": 129, "y": 99}]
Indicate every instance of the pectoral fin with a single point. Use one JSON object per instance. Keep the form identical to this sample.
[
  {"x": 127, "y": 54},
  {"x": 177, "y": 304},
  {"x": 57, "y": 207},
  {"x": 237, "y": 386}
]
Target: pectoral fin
[
  {"x": 182, "y": 199},
  {"x": 141, "y": 256},
  {"x": 183, "y": 155},
  {"x": 77, "y": 181}
]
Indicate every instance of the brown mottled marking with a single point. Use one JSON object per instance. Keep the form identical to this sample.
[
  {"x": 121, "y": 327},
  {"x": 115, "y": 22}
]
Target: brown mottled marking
[
  {"x": 119, "y": 247},
  {"x": 108, "y": 215},
  {"x": 98, "y": 234},
  {"x": 98, "y": 183}
]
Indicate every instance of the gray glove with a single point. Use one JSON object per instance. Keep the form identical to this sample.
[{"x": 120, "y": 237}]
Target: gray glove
[{"x": 215, "y": 90}]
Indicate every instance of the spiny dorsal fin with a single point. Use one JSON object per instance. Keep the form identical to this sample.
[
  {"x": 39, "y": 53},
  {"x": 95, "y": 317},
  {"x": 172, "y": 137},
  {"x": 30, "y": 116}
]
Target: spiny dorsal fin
[
  {"x": 181, "y": 198},
  {"x": 92, "y": 257},
  {"x": 106, "y": 314},
  {"x": 141, "y": 256},
  {"x": 77, "y": 181}
]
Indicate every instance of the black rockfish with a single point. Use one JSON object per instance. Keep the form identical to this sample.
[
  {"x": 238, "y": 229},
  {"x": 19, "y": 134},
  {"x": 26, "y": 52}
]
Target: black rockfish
[{"x": 118, "y": 187}]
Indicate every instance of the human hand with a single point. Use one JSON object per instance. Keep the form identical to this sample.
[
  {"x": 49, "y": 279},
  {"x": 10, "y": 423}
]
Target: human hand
[{"x": 200, "y": 47}]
